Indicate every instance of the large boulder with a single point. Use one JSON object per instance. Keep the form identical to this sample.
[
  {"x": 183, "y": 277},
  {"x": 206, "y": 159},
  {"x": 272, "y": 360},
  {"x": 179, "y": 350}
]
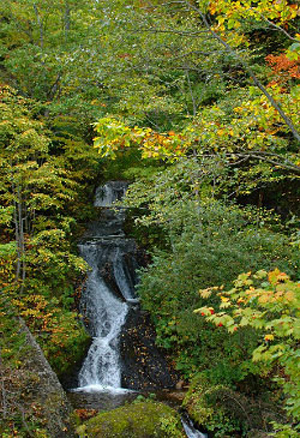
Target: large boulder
[
  {"x": 144, "y": 419},
  {"x": 32, "y": 399}
]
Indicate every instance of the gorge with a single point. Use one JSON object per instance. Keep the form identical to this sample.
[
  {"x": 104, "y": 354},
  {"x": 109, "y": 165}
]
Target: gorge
[{"x": 107, "y": 300}]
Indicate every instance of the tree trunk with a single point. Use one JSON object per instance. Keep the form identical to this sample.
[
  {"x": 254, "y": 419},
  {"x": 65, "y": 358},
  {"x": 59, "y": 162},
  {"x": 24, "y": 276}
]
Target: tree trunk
[
  {"x": 67, "y": 19},
  {"x": 40, "y": 24}
]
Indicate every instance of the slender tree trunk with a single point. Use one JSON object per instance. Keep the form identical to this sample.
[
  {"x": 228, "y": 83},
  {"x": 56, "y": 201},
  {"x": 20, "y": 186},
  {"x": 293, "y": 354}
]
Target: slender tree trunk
[
  {"x": 67, "y": 19},
  {"x": 17, "y": 235},
  {"x": 40, "y": 24},
  {"x": 21, "y": 236},
  {"x": 3, "y": 390}
]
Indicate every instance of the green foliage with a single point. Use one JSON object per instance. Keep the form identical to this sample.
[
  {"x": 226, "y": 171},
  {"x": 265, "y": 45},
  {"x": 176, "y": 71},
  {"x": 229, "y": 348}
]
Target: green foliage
[
  {"x": 269, "y": 303},
  {"x": 41, "y": 58},
  {"x": 178, "y": 113},
  {"x": 171, "y": 427},
  {"x": 210, "y": 244},
  {"x": 114, "y": 135},
  {"x": 37, "y": 267},
  {"x": 226, "y": 413},
  {"x": 285, "y": 431}
]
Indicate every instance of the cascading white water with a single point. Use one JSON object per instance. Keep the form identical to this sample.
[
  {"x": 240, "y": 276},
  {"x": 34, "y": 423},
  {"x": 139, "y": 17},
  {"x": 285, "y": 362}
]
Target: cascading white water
[
  {"x": 107, "y": 315},
  {"x": 105, "y": 312},
  {"x": 190, "y": 430}
]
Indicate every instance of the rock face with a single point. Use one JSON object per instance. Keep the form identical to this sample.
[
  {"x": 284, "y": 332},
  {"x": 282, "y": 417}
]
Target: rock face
[
  {"x": 49, "y": 392},
  {"x": 144, "y": 366},
  {"x": 138, "y": 420},
  {"x": 31, "y": 393}
]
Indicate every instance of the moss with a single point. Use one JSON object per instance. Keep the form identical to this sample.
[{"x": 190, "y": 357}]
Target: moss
[{"x": 138, "y": 420}]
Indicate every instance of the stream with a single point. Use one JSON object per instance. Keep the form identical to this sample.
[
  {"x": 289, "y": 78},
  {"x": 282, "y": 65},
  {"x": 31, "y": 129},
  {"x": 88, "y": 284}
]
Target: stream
[{"x": 107, "y": 299}]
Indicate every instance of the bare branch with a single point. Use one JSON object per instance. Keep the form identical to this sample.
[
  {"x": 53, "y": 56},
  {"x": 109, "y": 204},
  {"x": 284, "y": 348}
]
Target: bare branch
[
  {"x": 186, "y": 33},
  {"x": 276, "y": 26}
]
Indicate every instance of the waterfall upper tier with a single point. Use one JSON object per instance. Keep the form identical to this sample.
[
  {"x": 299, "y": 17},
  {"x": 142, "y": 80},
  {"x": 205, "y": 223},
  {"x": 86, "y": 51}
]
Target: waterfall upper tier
[{"x": 111, "y": 192}]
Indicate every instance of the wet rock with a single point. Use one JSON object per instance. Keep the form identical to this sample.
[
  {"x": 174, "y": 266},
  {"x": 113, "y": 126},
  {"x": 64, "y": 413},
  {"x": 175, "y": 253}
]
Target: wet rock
[
  {"x": 144, "y": 365},
  {"x": 129, "y": 267}
]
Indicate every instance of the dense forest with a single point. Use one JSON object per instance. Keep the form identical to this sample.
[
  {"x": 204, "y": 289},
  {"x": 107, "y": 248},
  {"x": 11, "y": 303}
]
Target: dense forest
[{"x": 196, "y": 104}]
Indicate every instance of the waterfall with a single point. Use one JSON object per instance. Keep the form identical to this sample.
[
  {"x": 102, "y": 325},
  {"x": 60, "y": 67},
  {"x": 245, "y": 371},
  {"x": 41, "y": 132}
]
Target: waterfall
[
  {"x": 108, "y": 292},
  {"x": 107, "y": 297}
]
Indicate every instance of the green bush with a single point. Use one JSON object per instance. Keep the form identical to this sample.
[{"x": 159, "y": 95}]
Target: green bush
[
  {"x": 228, "y": 413},
  {"x": 269, "y": 303},
  {"x": 211, "y": 244}
]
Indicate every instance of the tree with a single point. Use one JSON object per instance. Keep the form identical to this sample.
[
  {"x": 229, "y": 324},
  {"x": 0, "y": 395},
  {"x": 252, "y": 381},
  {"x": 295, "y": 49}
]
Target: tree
[
  {"x": 269, "y": 303},
  {"x": 38, "y": 269}
]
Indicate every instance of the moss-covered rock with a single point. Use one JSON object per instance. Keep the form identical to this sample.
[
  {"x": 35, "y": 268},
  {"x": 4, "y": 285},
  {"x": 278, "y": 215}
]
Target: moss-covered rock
[
  {"x": 144, "y": 419},
  {"x": 228, "y": 413}
]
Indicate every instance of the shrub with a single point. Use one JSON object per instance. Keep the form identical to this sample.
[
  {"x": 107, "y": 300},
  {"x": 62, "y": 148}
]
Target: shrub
[{"x": 210, "y": 245}]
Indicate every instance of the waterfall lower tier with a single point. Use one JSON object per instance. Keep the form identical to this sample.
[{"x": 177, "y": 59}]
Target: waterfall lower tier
[
  {"x": 106, "y": 314},
  {"x": 107, "y": 295}
]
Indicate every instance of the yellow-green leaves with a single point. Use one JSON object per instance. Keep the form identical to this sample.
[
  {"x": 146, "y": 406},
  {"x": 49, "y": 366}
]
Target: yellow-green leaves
[
  {"x": 270, "y": 303},
  {"x": 230, "y": 13},
  {"x": 115, "y": 137}
]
